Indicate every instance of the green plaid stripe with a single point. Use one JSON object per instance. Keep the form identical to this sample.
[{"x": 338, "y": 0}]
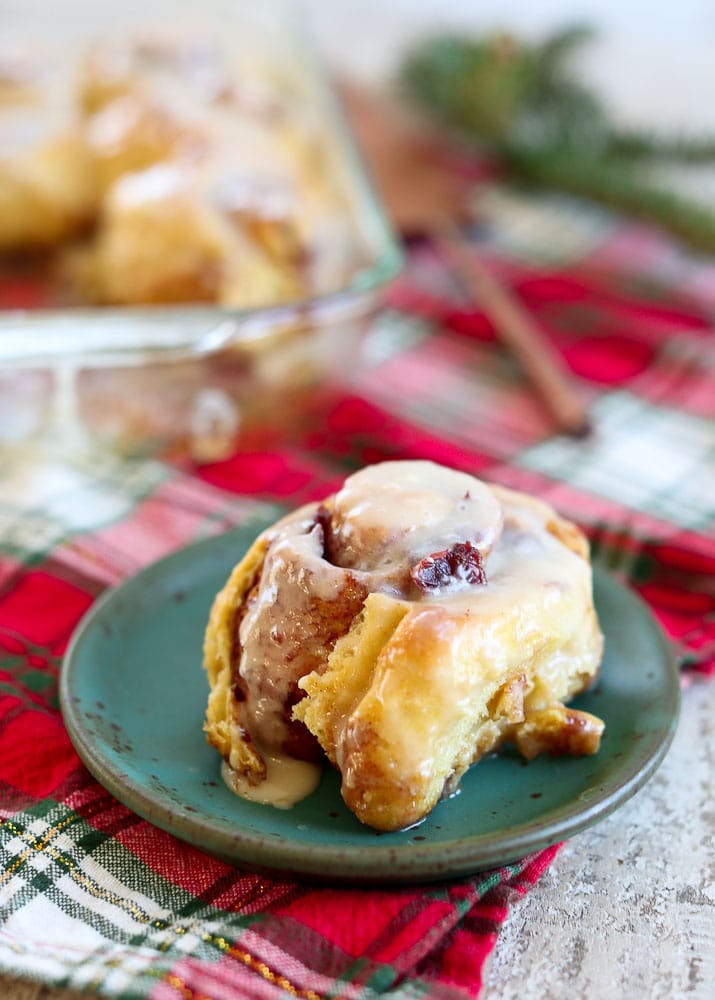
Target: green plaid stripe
[
  {"x": 128, "y": 920},
  {"x": 43, "y": 504},
  {"x": 129, "y": 926},
  {"x": 31, "y": 675},
  {"x": 647, "y": 458}
]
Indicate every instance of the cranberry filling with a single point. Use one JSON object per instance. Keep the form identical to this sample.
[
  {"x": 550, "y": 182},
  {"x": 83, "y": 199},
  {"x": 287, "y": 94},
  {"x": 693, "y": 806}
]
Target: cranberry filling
[{"x": 461, "y": 562}]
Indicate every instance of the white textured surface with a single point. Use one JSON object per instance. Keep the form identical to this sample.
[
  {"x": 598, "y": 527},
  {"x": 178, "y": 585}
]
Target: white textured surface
[{"x": 627, "y": 910}]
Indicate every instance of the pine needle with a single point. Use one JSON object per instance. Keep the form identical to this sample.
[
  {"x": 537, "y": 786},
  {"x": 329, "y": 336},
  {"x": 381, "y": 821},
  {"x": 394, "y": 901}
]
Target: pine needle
[{"x": 523, "y": 102}]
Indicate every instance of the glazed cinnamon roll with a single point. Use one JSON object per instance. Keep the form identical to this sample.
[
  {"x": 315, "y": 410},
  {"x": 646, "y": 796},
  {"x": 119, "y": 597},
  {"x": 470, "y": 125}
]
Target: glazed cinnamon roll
[{"x": 411, "y": 623}]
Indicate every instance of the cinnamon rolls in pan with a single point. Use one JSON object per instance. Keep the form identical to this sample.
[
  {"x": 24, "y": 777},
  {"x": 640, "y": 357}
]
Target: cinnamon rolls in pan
[{"x": 408, "y": 625}]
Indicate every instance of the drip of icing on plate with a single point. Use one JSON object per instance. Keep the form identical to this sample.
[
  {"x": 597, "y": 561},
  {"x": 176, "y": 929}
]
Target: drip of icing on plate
[{"x": 287, "y": 781}]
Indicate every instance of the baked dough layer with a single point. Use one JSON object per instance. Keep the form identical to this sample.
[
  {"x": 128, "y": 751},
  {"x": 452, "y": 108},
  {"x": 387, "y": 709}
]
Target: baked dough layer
[{"x": 404, "y": 684}]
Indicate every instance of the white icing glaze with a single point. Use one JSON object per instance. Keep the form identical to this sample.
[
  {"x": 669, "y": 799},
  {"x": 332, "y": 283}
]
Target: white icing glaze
[
  {"x": 165, "y": 180},
  {"x": 395, "y": 513},
  {"x": 287, "y": 781},
  {"x": 528, "y": 558}
]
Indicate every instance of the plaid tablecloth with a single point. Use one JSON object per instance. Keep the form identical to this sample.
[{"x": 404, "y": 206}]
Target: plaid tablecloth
[{"x": 92, "y": 896}]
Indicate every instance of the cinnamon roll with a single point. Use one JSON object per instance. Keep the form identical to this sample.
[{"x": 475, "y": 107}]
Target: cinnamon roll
[{"x": 413, "y": 622}]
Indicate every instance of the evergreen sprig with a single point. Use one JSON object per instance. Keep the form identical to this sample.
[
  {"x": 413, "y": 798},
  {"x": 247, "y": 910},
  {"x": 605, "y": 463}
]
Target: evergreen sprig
[{"x": 523, "y": 102}]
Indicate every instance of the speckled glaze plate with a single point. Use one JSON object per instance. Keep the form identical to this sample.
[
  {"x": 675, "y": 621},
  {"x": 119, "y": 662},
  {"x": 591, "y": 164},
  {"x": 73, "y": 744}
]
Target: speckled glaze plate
[{"x": 133, "y": 695}]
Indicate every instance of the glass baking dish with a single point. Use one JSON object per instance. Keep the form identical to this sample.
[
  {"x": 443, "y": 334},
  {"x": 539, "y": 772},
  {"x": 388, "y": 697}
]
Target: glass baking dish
[{"x": 196, "y": 374}]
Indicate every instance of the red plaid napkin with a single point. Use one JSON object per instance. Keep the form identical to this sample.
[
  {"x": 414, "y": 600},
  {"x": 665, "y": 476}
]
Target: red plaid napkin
[{"x": 94, "y": 897}]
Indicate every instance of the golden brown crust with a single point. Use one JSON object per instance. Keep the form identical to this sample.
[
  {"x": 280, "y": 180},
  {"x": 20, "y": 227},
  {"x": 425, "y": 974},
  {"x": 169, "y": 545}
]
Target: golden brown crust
[
  {"x": 558, "y": 730},
  {"x": 131, "y": 134},
  {"x": 416, "y": 704},
  {"x": 48, "y": 192},
  {"x": 223, "y": 726}
]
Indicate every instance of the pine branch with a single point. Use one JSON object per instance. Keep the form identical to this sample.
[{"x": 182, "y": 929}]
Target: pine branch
[
  {"x": 562, "y": 43},
  {"x": 618, "y": 184},
  {"x": 667, "y": 148},
  {"x": 478, "y": 87},
  {"x": 521, "y": 101}
]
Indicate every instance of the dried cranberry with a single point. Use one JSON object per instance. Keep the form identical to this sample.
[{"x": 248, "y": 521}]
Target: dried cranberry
[{"x": 462, "y": 562}]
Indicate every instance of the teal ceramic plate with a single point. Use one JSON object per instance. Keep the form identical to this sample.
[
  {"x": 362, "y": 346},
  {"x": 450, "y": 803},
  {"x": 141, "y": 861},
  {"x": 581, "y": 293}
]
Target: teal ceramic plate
[{"x": 133, "y": 694}]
